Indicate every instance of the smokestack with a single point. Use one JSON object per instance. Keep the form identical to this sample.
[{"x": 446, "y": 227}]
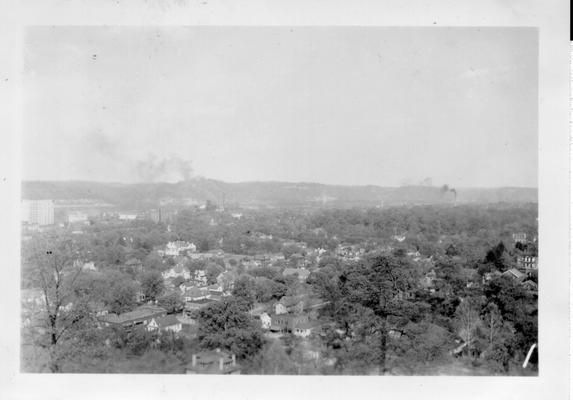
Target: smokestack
[
  {"x": 194, "y": 360},
  {"x": 234, "y": 360},
  {"x": 220, "y": 363}
]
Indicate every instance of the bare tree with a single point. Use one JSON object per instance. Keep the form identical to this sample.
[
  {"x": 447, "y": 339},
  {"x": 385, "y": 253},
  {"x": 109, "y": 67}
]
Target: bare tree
[
  {"x": 468, "y": 320},
  {"x": 56, "y": 265},
  {"x": 493, "y": 322}
]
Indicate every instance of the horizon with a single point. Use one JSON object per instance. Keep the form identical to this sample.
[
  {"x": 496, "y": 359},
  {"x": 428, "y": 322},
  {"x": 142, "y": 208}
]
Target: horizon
[{"x": 199, "y": 178}]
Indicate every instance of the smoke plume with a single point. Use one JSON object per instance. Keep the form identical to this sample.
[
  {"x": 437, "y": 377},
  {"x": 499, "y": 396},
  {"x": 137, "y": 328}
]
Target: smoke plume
[
  {"x": 446, "y": 189},
  {"x": 171, "y": 169}
]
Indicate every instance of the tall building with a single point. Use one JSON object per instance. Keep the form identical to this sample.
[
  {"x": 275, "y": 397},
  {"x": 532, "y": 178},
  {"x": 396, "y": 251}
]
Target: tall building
[{"x": 40, "y": 212}]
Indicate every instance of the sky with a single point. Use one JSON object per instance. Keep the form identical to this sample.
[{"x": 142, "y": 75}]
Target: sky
[{"x": 335, "y": 105}]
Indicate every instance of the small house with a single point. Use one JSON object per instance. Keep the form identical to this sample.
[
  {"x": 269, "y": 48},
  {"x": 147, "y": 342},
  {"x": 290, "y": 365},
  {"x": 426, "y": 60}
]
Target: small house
[
  {"x": 214, "y": 362},
  {"x": 167, "y": 323}
]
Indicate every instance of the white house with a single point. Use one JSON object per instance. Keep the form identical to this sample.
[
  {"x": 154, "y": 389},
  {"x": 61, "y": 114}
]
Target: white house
[
  {"x": 77, "y": 217},
  {"x": 201, "y": 277},
  {"x": 173, "y": 249},
  {"x": 165, "y": 323},
  {"x": 280, "y": 309},
  {"x": 127, "y": 216},
  {"x": 215, "y": 288},
  {"x": 177, "y": 271},
  {"x": 305, "y": 329},
  {"x": 195, "y": 294},
  {"x": 265, "y": 320},
  {"x": 399, "y": 238}
]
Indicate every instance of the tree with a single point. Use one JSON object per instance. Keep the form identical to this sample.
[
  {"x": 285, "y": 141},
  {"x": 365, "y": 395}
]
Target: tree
[
  {"x": 245, "y": 292},
  {"x": 275, "y": 360},
  {"x": 118, "y": 292},
  {"x": 195, "y": 265},
  {"x": 53, "y": 261},
  {"x": 517, "y": 306},
  {"x": 213, "y": 271},
  {"x": 152, "y": 285},
  {"x": 468, "y": 321},
  {"x": 153, "y": 262},
  {"x": 178, "y": 281},
  {"x": 204, "y": 245},
  {"x": 171, "y": 302},
  {"x": 381, "y": 285},
  {"x": 492, "y": 321},
  {"x": 496, "y": 257},
  {"x": 226, "y": 325}
]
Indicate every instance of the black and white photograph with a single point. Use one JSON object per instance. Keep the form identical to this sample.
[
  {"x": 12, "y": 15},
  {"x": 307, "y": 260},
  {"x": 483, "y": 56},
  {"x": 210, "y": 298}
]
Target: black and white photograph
[{"x": 282, "y": 200}]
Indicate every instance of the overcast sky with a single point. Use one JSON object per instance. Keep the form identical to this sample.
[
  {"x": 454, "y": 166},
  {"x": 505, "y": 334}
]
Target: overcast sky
[{"x": 383, "y": 106}]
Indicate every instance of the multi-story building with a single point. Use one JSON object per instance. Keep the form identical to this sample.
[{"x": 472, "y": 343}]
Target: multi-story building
[
  {"x": 527, "y": 263},
  {"x": 520, "y": 237},
  {"x": 39, "y": 212}
]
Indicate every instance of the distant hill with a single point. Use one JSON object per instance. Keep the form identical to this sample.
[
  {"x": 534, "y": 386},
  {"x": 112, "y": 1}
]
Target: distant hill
[{"x": 271, "y": 194}]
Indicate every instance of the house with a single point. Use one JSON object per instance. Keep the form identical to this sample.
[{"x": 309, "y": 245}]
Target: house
[
  {"x": 489, "y": 276},
  {"x": 200, "y": 277},
  {"x": 415, "y": 255},
  {"x": 265, "y": 319},
  {"x": 527, "y": 263},
  {"x": 134, "y": 264},
  {"x": 177, "y": 271},
  {"x": 89, "y": 266},
  {"x": 140, "y": 297},
  {"x": 98, "y": 308},
  {"x": 285, "y": 323},
  {"x": 195, "y": 293},
  {"x": 289, "y": 304},
  {"x": 251, "y": 264},
  {"x": 402, "y": 295},
  {"x": 85, "y": 266},
  {"x": 305, "y": 329},
  {"x": 141, "y": 316},
  {"x": 515, "y": 274},
  {"x": 189, "y": 325},
  {"x": 226, "y": 280},
  {"x": 519, "y": 237},
  {"x": 214, "y": 362},
  {"x": 166, "y": 323},
  {"x": 215, "y": 288},
  {"x": 127, "y": 216},
  {"x": 173, "y": 249}
]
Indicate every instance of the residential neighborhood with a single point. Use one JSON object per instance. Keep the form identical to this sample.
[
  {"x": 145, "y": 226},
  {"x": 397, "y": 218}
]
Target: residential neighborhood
[{"x": 290, "y": 293}]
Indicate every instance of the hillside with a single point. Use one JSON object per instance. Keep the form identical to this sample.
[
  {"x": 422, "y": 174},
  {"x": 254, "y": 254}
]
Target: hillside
[{"x": 272, "y": 194}]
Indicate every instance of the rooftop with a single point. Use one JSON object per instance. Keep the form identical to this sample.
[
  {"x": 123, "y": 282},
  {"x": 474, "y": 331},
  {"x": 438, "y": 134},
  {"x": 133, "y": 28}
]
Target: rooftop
[
  {"x": 139, "y": 314},
  {"x": 168, "y": 320}
]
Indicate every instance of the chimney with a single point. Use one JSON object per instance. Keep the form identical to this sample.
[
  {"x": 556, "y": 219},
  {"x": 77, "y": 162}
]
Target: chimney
[
  {"x": 234, "y": 360},
  {"x": 220, "y": 363},
  {"x": 194, "y": 360}
]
